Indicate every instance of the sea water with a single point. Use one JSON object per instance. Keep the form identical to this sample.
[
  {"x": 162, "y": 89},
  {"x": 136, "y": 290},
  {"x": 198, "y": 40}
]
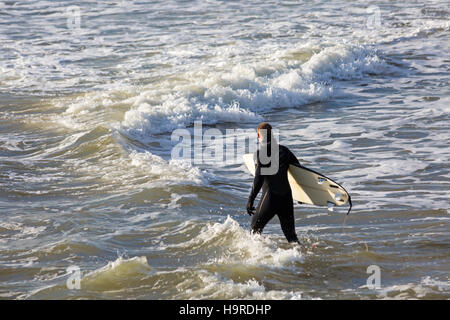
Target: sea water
[{"x": 93, "y": 204}]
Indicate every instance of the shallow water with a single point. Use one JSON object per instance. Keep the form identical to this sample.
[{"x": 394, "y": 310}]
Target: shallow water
[{"x": 91, "y": 93}]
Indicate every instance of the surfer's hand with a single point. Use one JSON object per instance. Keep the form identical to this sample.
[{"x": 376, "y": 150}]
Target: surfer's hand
[{"x": 250, "y": 208}]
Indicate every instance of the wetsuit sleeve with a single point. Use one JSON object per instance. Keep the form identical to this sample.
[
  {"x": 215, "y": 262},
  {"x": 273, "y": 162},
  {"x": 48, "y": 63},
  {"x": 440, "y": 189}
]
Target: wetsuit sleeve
[
  {"x": 292, "y": 158},
  {"x": 257, "y": 182}
]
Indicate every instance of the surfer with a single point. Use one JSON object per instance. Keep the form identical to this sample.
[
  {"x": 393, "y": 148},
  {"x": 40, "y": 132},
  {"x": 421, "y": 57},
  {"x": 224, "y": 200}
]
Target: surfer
[{"x": 276, "y": 196}]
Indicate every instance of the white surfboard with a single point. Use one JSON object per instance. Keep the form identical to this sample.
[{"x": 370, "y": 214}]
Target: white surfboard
[{"x": 309, "y": 186}]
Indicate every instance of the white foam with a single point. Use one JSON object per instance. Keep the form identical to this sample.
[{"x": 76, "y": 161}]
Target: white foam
[
  {"x": 341, "y": 146},
  {"x": 21, "y": 231},
  {"x": 430, "y": 219},
  {"x": 215, "y": 286},
  {"x": 344, "y": 63},
  {"x": 172, "y": 170},
  {"x": 242, "y": 247},
  {"x": 178, "y": 112},
  {"x": 224, "y": 95},
  {"x": 56, "y": 57},
  {"x": 427, "y": 285}
]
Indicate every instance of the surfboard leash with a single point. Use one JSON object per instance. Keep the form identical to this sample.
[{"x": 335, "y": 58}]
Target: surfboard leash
[{"x": 350, "y": 203}]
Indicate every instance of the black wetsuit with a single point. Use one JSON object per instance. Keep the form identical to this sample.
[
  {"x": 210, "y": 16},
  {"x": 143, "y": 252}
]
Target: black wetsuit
[{"x": 276, "y": 196}]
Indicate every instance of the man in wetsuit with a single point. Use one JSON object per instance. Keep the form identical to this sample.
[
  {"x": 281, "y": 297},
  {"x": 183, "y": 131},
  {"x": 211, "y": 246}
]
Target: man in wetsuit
[{"x": 271, "y": 176}]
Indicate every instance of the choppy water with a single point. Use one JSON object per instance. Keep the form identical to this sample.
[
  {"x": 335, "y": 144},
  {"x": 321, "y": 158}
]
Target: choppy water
[{"x": 91, "y": 92}]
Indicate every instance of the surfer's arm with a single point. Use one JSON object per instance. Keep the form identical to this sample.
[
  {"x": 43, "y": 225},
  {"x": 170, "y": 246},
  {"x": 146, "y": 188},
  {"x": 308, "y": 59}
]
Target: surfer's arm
[
  {"x": 292, "y": 158},
  {"x": 257, "y": 185}
]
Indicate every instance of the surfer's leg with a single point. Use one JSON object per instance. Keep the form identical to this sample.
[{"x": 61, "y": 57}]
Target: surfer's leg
[
  {"x": 263, "y": 214},
  {"x": 287, "y": 221}
]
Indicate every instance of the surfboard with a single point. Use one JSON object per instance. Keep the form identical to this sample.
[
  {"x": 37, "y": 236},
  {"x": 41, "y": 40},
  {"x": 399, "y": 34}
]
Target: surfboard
[{"x": 309, "y": 186}]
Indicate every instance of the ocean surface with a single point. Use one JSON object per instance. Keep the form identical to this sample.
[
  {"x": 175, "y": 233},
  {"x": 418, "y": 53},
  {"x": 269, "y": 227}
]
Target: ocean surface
[{"x": 93, "y": 204}]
